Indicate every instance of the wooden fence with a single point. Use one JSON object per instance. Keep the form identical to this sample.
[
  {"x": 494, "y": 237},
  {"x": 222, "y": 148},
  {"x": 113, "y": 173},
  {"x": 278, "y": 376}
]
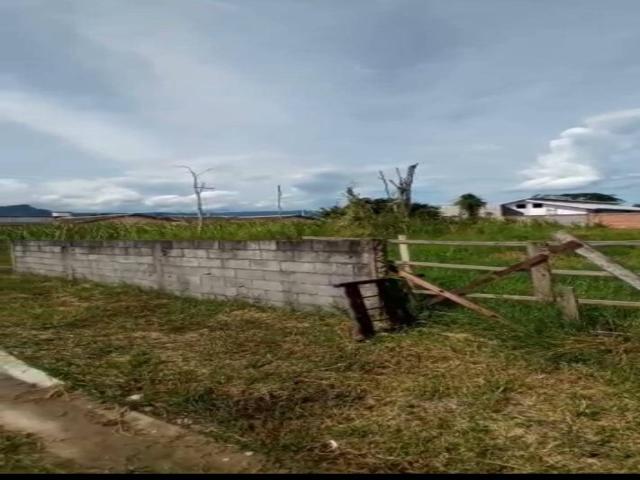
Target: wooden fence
[{"x": 541, "y": 273}]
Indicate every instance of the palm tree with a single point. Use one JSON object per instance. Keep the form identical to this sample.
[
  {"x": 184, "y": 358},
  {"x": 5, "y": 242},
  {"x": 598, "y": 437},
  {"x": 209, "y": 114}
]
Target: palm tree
[{"x": 470, "y": 204}]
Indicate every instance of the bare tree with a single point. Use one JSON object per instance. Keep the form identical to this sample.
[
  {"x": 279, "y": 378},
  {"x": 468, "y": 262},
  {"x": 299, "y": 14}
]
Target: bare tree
[
  {"x": 198, "y": 187},
  {"x": 404, "y": 186},
  {"x": 386, "y": 184}
]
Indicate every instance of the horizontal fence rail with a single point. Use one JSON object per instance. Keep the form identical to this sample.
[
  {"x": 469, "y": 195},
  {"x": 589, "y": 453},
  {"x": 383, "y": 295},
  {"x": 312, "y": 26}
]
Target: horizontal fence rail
[{"x": 472, "y": 243}]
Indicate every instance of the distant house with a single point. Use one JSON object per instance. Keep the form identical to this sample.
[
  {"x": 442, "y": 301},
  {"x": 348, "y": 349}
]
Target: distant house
[
  {"x": 541, "y": 206},
  {"x": 577, "y": 212}
]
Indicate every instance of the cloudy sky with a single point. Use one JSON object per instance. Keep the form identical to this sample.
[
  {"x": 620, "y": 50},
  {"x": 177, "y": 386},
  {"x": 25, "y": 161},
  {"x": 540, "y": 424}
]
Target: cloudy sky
[{"x": 100, "y": 100}]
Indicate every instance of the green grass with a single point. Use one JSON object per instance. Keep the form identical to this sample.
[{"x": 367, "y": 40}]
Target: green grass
[
  {"x": 263, "y": 230},
  {"x": 458, "y": 393},
  {"x": 5, "y": 254}
]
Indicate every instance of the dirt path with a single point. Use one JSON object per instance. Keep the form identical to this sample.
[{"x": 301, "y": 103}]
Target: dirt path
[{"x": 108, "y": 440}]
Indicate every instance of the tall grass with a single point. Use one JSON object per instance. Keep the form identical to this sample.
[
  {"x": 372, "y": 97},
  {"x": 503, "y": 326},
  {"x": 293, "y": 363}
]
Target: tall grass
[{"x": 353, "y": 226}]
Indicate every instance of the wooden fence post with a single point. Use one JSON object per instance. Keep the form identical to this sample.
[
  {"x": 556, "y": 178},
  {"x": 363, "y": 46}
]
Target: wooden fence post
[
  {"x": 404, "y": 253},
  {"x": 541, "y": 274},
  {"x": 568, "y": 304}
]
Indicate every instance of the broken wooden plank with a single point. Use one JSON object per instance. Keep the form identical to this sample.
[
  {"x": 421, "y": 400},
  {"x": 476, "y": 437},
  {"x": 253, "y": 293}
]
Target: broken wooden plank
[
  {"x": 364, "y": 325},
  {"x": 449, "y": 295},
  {"x": 601, "y": 260}
]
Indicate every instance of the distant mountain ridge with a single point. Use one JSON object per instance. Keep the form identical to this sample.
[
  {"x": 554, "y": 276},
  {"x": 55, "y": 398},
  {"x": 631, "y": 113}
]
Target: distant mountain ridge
[{"x": 23, "y": 211}]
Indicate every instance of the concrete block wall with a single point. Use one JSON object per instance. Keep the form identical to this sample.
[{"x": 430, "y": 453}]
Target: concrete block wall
[{"x": 295, "y": 273}]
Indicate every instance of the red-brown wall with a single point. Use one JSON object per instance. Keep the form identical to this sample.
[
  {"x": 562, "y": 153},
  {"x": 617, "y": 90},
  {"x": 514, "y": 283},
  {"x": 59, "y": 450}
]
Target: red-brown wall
[{"x": 616, "y": 220}]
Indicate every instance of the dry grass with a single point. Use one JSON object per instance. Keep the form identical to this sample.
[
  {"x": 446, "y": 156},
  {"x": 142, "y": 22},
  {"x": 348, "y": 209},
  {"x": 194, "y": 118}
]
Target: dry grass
[
  {"x": 21, "y": 453},
  {"x": 456, "y": 394}
]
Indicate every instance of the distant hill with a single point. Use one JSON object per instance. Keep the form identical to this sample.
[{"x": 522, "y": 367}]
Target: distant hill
[
  {"x": 23, "y": 211},
  {"x": 259, "y": 213}
]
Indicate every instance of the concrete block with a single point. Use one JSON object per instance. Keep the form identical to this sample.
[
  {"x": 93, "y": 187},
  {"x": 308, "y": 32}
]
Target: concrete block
[
  {"x": 50, "y": 249},
  {"x": 222, "y": 254},
  {"x": 175, "y": 252},
  {"x": 222, "y": 272},
  {"x": 344, "y": 257},
  {"x": 278, "y": 255},
  {"x": 254, "y": 245},
  {"x": 272, "y": 265},
  {"x": 335, "y": 279},
  {"x": 237, "y": 282},
  {"x": 297, "y": 267},
  {"x": 210, "y": 284},
  {"x": 267, "y": 245},
  {"x": 363, "y": 271},
  {"x": 312, "y": 278},
  {"x": 210, "y": 262},
  {"x": 139, "y": 251},
  {"x": 310, "y": 256},
  {"x": 315, "y": 300},
  {"x": 246, "y": 254},
  {"x": 233, "y": 263},
  {"x": 233, "y": 245},
  {"x": 294, "y": 245},
  {"x": 183, "y": 261},
  {"x": 267, "y": 296},
  {"x": 231, "y": 292},
  {"x": 277, "y": 276},
  {"x": 131, "y": 259},
  {"x": 268, "y": 285},
  {"x": 333, "y": 268},
  {"x": 323, "y": 290},
  {"x": 191, "y": 253},
  {"x": 250, "y": 274}
]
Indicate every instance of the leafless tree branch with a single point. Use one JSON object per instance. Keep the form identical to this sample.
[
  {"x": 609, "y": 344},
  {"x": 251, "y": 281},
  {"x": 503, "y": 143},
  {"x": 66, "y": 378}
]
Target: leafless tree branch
[
  {"x": 198, "y": 187},
  {"x": 386, "y": 184}
]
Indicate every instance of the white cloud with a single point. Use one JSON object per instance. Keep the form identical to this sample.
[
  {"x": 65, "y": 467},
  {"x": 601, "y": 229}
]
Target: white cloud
[
  {"x": 587, "y": 154},
  {"x": 106, "y": 135},
  {"x": 11, "y": 185},
  {"x": 87, "y": 194},
  {"x": 214, "y": 199}
]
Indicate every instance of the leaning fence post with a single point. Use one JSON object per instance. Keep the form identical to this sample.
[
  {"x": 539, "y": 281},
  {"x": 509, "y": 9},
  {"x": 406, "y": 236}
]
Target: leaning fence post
[
  {"x": 404, "y": 254},
  {"x": 568, "y": 304},
  {"x": 541, "y": 274}
]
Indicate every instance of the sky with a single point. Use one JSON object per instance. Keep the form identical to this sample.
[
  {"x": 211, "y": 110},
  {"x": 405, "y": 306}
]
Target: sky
[{"x": 101, "y": 101}]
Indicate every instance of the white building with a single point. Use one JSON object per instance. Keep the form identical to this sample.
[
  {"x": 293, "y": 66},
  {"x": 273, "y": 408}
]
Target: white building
[{"x": 539, "y": 206}]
